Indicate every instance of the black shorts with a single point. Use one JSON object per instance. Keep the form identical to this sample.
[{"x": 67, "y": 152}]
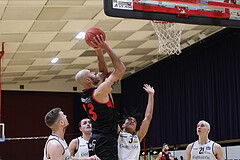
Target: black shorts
[{"x": 105, "y": 147}]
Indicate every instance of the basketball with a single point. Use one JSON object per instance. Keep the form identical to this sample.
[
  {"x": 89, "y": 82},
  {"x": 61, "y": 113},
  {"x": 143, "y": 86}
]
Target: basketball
[{"x": 93, "y": 32}]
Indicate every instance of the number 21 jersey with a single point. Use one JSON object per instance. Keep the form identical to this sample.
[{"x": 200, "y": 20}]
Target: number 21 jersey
[
  {"x": 103, "y": 116},
  {"x": 202, "y": 152}
]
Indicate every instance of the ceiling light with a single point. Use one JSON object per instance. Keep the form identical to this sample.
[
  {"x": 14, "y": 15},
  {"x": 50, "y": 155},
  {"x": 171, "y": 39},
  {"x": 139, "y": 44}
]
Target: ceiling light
[
  {"x": 154, "y": 60},
  {"x": 54, "y": 60},
  {"x": 80, "y": 35},
  {"x": 191, "y": 41},
  {"x": 202, "y": 36},
  {"x": 132, "y": 71}
]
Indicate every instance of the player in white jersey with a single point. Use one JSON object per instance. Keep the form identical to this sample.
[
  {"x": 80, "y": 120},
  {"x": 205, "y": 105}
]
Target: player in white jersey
[
  {"x": 66, "y": 154},
  {"x": 203, "y": 148},
  {"x": 129, "y": 139},
  {"x": 79, "y": 146},
  {"x": 56, "y": 147}
]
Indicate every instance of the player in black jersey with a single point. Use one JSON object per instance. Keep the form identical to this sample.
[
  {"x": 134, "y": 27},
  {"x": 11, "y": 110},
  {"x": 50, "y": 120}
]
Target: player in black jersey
[
  {"x": 98, "y": 104},
  {"x": 165, "y": 154}
]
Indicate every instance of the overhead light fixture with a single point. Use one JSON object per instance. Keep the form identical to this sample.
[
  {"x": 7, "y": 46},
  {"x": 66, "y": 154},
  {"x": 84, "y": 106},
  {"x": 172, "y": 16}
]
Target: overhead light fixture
[
  {"x": 191, "y": 41},
  {"x": 184, "y": 45},
  {"x": 202, "y": 36},
  {"x": 154, "y": 60},
  {"x": 133, "y": 71},
  {"x": 80, "y": 35},
  {"x": 54, "y": 60}
]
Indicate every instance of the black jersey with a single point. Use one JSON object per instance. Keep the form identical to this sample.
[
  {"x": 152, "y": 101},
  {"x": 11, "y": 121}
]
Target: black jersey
[
  {"x": 103, "y": 116},
  {"x": 166, "y": 156}
]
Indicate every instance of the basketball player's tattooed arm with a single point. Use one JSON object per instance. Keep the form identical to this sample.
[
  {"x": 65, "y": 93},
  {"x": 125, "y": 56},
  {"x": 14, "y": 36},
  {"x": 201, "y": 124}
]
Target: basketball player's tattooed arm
[
  {"x": 115, "y": 83},
  {"x": 101, "y": 93},
  {"x": 102, "y": 66},
  {"x": 188, "y": 152},
  {"x": 217, "y": 149},
  {"x": 148, "y": 113}
]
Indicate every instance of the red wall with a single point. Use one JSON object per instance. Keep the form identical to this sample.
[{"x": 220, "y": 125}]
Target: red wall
[{"x": 23, "y": 114}]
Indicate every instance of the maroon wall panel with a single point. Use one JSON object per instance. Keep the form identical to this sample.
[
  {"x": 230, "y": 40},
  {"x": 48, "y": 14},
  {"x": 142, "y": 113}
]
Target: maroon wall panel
[{"x": 23, "y": 114}]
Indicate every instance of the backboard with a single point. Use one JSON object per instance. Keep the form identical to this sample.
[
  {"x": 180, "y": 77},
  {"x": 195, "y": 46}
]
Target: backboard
[
  {"x": 2, "y": 134},
  {"x": 216, "y": 12}
]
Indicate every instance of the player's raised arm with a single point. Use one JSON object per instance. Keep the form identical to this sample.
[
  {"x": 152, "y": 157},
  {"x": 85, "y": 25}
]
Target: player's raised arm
[
  {"x": 148, "y": 113},
  {"x": 101, "y": 93},
  {"x": 102, "y": 66}
]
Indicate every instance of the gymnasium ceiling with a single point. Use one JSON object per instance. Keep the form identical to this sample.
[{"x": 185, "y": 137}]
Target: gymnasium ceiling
[{"x": 36, "y": 31}]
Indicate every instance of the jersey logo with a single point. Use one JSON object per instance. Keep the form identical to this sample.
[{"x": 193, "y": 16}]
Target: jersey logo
[
  {"x": 91, "y": 146},
  {"x": 135, "y": 141},
  {"x": 128, "y": 146},
  {"x": 68, "y": 158},
  {"x": 86, "y": 100},
  {"x": 208, "y": 148},
  {"x": 82, "y": 145},
  {"x": 123, "y": 136},
  {"x": 85, "y": 154}
]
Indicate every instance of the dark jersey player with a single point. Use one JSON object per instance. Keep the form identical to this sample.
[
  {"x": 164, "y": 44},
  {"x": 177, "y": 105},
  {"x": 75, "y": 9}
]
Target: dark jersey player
[
  {"x": 98, "y": 104},
  {"x": 165, "y": 154}
]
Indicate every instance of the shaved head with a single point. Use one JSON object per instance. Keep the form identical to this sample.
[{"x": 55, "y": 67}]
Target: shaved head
[
  {"x": 81, "y": 75},
  {"x": 206, "y": 123}
]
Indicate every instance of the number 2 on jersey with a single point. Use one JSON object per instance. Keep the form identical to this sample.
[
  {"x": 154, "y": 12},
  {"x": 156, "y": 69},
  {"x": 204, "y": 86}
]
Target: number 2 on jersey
[
  {"x": 201, "y": 150},
  {"x": 90, "y": 111}
]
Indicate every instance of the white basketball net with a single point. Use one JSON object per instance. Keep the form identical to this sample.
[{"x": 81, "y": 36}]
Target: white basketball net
[{"x": 169, "y": 35}]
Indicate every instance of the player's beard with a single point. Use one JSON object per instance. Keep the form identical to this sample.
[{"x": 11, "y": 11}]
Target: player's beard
[
  {"x": 165, "y": 150},
  {"x": 95, "y": 81}
]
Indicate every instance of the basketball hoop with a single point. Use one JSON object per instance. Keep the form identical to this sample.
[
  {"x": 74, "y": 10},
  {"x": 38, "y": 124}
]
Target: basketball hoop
[{"x": 169, "y": 35}]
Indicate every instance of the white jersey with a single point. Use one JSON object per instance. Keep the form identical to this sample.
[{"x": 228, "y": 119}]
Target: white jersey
[
  {"x": 203, "y": 152},
  {"x": 128, "y": 146},
  {"x": 82, "y": 148},
  {"x": 66, "y": 153}
]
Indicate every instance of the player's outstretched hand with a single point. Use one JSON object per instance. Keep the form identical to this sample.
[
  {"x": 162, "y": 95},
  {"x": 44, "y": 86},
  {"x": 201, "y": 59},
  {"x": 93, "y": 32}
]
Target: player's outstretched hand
[
  {"x": 99, "y": 43},
  {"x": 94, "y": 157},
  {"x": 148, "y": 89}
]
